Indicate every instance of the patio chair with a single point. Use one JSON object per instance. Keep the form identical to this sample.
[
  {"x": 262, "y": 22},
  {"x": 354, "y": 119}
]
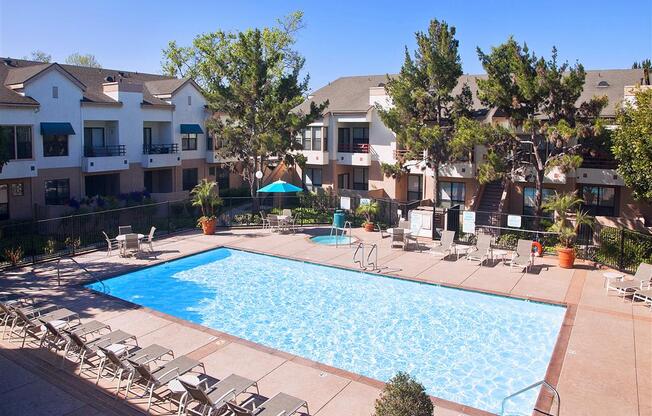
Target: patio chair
[
  {"x": 124, "y": 229},
  {"x": 85, "y": 350},
  {"x": 274, "y": 223},
  {"x": 482, "y": 249},
  {"x": 150, "y": 380},
  {"x": 522, "y": 257},
  {"x": 412, "y": 238},
  {"x": 398, "y": 238},
  {"x": 279, "y": 405},
  {"x": 292, "y": 222},
  {"x": 264, "y": 220},
  {"x": 213, "y": 398},
  {"x": 111, "y": 243},
  {"x": 131, "y": 244},
  {"x": 404, "y": 224},
  {"x": 644, "y": 295},
  {"x": 446, "y": 245},
  {"x": 150, "y": 239},
  {"x": 642, "y": 280}
]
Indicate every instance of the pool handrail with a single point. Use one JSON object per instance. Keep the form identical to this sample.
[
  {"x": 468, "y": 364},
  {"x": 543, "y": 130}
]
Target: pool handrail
[{"x": 530, "y": 387}]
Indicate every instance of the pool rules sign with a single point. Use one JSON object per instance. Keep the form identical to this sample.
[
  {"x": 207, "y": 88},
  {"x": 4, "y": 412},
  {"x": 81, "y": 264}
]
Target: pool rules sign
[{"x": 468, "y": 222}]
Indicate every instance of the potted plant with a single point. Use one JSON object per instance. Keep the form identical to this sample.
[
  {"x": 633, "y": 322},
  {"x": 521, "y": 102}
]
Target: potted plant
[
  {"x": 369, "y": 211},
  {"x": 564, "y": 206},
  {"x": 204, "y": 195}
]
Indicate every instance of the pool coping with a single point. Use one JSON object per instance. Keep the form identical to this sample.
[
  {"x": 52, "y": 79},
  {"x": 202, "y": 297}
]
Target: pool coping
[{"x": 544, "y": 399}]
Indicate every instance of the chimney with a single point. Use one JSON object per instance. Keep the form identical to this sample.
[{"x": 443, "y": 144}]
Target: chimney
[{"x": 118, "y": 89}]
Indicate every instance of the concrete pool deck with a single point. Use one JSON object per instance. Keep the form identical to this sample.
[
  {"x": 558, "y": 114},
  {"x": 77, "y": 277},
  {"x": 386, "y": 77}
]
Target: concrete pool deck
[{"x": 602, "y": 364}]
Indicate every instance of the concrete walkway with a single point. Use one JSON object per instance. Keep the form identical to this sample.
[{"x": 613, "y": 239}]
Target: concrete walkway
[{"x": 602, "y": 364}]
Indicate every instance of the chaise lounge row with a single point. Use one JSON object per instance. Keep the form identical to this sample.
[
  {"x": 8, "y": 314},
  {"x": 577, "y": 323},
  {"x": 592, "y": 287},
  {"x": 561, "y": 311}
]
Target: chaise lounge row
[{"x": 152, "y": 371}]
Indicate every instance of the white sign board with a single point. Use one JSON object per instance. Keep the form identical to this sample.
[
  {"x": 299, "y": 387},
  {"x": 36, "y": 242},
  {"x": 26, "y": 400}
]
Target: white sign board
[
  {"x": 365, "y": 201},
  {"x": 468, "y": 222},
  {"x": 514, "y": 221},
  {"x": 345, "y": 202}
]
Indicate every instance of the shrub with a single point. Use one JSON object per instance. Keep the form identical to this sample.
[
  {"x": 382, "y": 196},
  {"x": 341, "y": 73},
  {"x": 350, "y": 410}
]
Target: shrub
[
  {"x": 403, "y": 396},
  {"x": 14, "y": 255},
  {"x": 50, "y": 247}
]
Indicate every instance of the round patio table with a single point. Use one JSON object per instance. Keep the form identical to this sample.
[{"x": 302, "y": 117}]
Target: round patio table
[
  {"x": 390, "y": 231},
  {"x": 121, "y": 238}
]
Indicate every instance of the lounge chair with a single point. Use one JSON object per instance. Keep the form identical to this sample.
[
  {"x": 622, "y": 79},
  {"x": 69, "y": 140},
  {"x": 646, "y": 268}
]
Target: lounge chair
[
  {"x": 522, "y": 257},
  {"x": 398, "y": 238},
  {"x": 644, "y": 295},
  {"x": 85, "y": 350},
  {"x": 445, "y": 246},
  {"x": 642, "y": 280},
  {"x": 124, "y": 229},
  {"x": 32, "y": 325},
  {"x": 29, "y": 307},
  {"x": 150, "y": 380},
  {"x": 111, "y": 243},
  {"x": 213, "y": 398},
  {"x": 56, "y": 338},
  {"x": 280, "y": 405},
  {"x": 482, "y": 249},
  {"x": 131, "y": 244}
]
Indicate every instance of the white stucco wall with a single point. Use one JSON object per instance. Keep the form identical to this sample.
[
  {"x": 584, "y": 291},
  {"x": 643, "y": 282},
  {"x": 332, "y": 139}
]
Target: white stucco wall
[{"x": 195, "y": 113}]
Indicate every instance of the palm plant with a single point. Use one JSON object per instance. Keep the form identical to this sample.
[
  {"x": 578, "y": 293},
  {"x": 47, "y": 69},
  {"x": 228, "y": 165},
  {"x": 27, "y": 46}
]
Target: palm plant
[
  {"x": 204, "y": 195},
  {"x": 563, "y": 205},
  {"x": 369, "y": 211}
]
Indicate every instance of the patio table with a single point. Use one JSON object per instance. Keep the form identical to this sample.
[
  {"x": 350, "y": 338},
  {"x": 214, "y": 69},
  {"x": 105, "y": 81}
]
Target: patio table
[
  {"x": 609, "y": 276},
  {"x": 121, "y": 238}
]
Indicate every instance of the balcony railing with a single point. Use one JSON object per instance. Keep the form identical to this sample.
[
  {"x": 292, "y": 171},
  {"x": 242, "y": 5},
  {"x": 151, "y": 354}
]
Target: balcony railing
[
  {"x": 160, "y": 149},
  {"x": 104, "y": 151},
  {"x": 596, "y": 163},
  {"x": 353, "y": 148}
]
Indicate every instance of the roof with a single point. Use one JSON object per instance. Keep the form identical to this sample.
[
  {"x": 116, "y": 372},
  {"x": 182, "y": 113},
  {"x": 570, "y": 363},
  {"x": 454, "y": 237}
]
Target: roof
[
  {"x": 351, "y": 94},
  {"x": 18, "y": 71}
]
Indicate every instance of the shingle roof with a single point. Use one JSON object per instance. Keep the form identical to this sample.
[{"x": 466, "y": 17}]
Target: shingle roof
[
  {"x": 165, "y": 86},
  {"x": 92, "y": 78},
  {"x": 351, "y": 94}
]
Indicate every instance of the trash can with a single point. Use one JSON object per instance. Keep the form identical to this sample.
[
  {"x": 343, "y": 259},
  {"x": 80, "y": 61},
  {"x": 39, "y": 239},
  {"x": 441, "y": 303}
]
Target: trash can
[{"x": 338, "y": 218}]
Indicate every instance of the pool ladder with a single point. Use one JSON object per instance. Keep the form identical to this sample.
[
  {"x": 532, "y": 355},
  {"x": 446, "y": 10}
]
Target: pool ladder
[
  {"x": 543, "y": 383},
  {"x": 347, "y": 224},
  {"x": 365, "y": 262},
  {"x": 104, "y": 289}
]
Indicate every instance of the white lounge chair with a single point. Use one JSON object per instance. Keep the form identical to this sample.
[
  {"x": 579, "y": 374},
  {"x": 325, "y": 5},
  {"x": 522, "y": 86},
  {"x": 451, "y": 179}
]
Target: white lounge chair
[
  {"x": 279, "y": 405},
  {"x": 644, "y": 295},
  {"x": 482, "y": 249},
  {"x": 642, "y": 280},
  {"x": 212, "y": 398},
  {"x": 522, "y": 257},
  {"x": 446, "y": 245}
]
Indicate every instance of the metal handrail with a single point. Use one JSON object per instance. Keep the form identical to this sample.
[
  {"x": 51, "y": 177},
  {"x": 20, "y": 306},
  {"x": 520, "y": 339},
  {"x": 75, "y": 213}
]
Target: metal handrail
[
  {"x": 530, "y": 387},
  {"x": 105, "y": 288},
  {"x": 160, "y": 149},
  {"x": 374, "y": 250},
  {"x": 355, "y": 254},
  {"x": 105, "y": 151}
]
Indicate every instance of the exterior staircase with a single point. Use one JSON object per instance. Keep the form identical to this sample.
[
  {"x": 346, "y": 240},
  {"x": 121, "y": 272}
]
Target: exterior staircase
[{"x": 490, "y": 203}]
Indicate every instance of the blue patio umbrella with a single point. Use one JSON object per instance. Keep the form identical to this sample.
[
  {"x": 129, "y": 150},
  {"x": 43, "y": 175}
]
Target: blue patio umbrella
[{"x": 279, "y": 187}]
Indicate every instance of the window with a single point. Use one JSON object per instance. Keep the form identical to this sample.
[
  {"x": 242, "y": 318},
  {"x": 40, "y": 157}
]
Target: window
[
  {"x": 147, "y": 137},
  {"x": 361, "y": 179},
  {"x": 415, "y": 188},
  {"x": 312, "y": 178},
  {"x": 94, "y": 137},
  {"x": 189, "y": 100},
  {"x": 223, "y": 178},
  {"x": 158, "y": 181},
  {"x": 528, "y": 200},
  {"x": 4, "y": 203},
  {"x": 17, "y": 189},
  {"x": 57, "y": 191},
  {"x": 316, "y": 138},
  {"x": 55, "y": 92},
  {"x": 211, "y": 170},
  {"x": 360, "y": 135},
  {"x": 599, "y": 200},
  {"x": 343, "y": 139},
  {"x": 19, "y": 141},
  {"x": 189, "y": 141},
  {"x": 343, "y": 181},
  {"x": 325, "y": 140},
  {"x": 190, "y": 178},
  {"x": 55, "y": 145},
  {"x": 451, "y": 193},
  {"x": 307, "y": 139}
]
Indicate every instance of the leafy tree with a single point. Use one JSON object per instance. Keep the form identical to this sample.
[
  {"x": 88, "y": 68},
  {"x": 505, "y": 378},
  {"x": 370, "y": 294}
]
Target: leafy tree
[
  {"x": 424, "y": 106},
  {"x": 252, "y": 82},
  {"x": 402, "y": 396},
  {"x": 78, "y": 59},
  {"x": 39, "y": 56},
  {"x": 632, "y": 145},
  {"x": 539, "y": 98},
  {"x": 645, "y": 65}
]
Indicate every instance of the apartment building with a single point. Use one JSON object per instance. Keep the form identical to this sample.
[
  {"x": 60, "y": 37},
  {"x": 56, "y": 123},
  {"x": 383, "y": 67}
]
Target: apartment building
[
  {"x": 77, "y": 132},
  {"x": 346, "y": 147}
]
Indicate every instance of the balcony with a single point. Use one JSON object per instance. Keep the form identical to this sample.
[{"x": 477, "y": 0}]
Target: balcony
[
  {"x": 212, "y": 155},
  {"x": 315, "y": 157},
  {"x": 160, "y": 155},
  {"x": 354, "y": 154},
  {"x": 19, "y": 168},
  {"x": 457, "y": 170},
  {"x": 104, "y": 158}
]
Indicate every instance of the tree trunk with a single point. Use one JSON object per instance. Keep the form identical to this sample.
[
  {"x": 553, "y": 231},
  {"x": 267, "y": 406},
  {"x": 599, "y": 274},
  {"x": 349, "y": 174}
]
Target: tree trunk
[
  {"x": 435, "y": 178},
  {"x": 540, "y": 173}
]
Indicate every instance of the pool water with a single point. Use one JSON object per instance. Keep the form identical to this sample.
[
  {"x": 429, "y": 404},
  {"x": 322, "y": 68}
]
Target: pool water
[
  {"x": 464, "y": 346},
  {"x": 332, "y": 240}
]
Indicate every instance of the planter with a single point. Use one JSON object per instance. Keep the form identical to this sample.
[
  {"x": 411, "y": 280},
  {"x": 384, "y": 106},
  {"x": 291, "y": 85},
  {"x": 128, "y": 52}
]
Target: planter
[
  {"x": 208, "y": 226},
  {"x": 566, "y": 257},
  {"x": 369, "y": 226}
]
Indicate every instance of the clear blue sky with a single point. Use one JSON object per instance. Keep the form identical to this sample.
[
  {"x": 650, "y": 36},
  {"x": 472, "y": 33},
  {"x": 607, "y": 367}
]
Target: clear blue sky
[{"x": 340, "y": 38}]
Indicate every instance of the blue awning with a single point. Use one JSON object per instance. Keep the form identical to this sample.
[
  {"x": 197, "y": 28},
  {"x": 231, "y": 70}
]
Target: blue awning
[
  {"x": 191, "y": 129},
  {"x": 51, "y": 129}
]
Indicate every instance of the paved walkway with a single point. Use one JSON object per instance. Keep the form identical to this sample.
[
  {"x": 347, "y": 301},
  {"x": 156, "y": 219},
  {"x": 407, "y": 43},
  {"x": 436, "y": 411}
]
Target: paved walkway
[{"x": 602, "y": 364}]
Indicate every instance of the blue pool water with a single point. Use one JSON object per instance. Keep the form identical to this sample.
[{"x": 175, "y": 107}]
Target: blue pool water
[
  {"x": 464, "y": 346},
  {"x": 331, "y": 240}
]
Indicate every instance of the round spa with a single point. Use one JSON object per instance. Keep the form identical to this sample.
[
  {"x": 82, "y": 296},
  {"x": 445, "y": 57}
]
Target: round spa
[{"x": 332, "y": 240}]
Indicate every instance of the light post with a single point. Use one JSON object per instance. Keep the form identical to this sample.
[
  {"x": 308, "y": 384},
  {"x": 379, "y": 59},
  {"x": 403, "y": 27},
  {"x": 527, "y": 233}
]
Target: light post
[{"x": 259, "y": 176}]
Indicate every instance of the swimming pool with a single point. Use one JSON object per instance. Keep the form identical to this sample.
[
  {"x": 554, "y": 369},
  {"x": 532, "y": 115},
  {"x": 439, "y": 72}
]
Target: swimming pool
[
  {"x": 333, "y": 240},
  {"x": 464, "y": 346}
]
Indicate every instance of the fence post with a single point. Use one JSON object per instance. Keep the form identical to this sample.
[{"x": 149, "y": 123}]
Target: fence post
[
  {"x": 168, "y": 215},
  {"x": 621, "y": 254},
  {"x": 31, "y": 241}
]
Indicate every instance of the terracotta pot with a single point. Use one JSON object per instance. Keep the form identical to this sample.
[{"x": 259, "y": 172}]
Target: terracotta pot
[
  {"x": 208, "y": 226},
  {"x": 369, "y": 226},
  {"x": 566, "y": 257}
]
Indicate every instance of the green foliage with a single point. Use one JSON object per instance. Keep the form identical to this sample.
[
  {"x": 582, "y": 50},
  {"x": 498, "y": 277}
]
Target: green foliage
[
  {"x": 39, "y": 56},
  {"x": 252, "y": 79},
  {"x": 391, "y": 170},
  {"x": 368, "y": 211},
  {"x": 204, "y": 196},
  {"x": 50, "y": 247},
  {"x": 88, "y": 60},
  {"x": 563, "y": 205},
  {"x": 403, "y": 396},
  {"x": 632, "y": 145}
]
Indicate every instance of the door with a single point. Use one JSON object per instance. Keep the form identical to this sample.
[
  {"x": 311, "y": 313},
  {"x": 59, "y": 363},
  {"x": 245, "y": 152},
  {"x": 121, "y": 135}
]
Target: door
[
  {"x": 4, "y": 202},
  {"x": 415, "y": 188},
  {"x": 147, "y": 137}
]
